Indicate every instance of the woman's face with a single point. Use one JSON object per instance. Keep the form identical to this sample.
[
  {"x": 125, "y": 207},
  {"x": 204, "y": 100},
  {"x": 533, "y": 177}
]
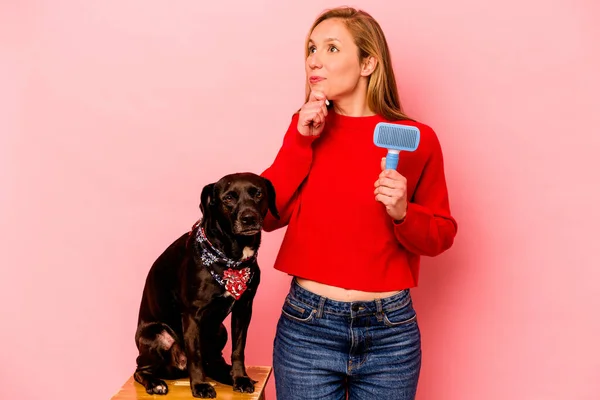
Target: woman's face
[{"x": 332, "y": 65}]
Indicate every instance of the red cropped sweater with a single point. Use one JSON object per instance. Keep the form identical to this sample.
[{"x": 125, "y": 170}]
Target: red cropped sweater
[{"x": 337, "y": 233}]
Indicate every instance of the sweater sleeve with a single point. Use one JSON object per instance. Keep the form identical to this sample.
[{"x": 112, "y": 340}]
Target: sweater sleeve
[
  {"x": 428, "y": 227},
  {"x": 287, "y": 172}
]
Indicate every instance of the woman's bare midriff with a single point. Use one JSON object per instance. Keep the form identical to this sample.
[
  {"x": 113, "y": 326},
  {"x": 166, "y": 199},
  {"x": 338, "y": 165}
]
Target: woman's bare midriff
[{"x": 339, "y": 294}]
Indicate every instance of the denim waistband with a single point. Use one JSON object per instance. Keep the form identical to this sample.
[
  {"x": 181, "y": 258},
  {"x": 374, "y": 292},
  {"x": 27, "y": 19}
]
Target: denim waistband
[{"x": 349, "y": 308}]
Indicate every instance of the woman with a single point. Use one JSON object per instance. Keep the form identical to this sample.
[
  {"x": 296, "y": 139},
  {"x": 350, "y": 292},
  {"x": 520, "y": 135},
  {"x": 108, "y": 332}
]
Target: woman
[{"x": 355, "y": 231}]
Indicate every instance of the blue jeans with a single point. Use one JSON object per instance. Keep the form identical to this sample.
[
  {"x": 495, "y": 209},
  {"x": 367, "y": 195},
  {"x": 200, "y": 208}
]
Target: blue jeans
[{"x": 326, "y": 349}]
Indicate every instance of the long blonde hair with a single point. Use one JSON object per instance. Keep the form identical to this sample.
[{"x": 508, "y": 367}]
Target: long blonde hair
[{"x": 382, "y": 93}]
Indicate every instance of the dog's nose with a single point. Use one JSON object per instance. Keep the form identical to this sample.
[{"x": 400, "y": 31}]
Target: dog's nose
[{"x": 248, "y": 218}]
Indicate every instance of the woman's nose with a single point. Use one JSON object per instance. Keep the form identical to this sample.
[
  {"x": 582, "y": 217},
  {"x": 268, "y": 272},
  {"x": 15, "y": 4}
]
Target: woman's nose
[{"x": 313, "y": 61}]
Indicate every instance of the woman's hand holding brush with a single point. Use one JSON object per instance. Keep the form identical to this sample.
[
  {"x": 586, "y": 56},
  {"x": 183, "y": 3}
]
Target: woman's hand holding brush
[{"x": 390, "y": 190}]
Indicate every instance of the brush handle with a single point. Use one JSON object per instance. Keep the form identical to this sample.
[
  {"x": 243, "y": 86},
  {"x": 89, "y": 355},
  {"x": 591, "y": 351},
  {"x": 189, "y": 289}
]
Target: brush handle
[{"x": 391, "y": 160}]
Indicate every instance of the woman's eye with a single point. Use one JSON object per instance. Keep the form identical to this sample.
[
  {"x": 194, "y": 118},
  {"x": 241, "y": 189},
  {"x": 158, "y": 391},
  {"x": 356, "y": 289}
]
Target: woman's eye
[
  {"x": 333, "y": 49},
  {"x": 312, "y": 49}
]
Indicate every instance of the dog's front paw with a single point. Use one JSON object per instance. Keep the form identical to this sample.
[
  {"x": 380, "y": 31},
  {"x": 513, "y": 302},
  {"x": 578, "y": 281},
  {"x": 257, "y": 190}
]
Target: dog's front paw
[
  {"x": 204, "y": 391},
  {"x": 157, "y": 386},
  {"x": 243, "y": 384}
]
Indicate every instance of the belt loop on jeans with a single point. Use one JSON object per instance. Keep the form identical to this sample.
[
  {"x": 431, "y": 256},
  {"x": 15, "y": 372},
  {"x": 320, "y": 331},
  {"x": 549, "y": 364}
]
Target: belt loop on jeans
[
  {"x": 379, "y": 310},
  {"x": 321, "y": 306}
]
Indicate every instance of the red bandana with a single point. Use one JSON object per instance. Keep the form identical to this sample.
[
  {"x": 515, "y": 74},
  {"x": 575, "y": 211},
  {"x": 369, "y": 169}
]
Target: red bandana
[{"x": 235, "y": 281}]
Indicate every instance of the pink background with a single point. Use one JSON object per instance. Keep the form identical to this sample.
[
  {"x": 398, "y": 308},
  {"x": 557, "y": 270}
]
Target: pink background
[{"x": 114, "y": 114}]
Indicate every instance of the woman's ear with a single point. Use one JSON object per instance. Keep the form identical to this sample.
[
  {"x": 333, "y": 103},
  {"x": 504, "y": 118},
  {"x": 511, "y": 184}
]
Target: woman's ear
[{"x": 368, "y": 66}]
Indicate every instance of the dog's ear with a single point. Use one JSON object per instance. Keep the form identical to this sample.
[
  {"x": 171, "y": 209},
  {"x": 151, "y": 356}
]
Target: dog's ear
[
  {"x": 207, "y": 198},
  {"x": 271, "y": 198}
]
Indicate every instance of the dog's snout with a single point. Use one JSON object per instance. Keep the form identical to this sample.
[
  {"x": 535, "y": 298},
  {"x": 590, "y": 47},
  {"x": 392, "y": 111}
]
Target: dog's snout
[{"x": 248, "y": 218}]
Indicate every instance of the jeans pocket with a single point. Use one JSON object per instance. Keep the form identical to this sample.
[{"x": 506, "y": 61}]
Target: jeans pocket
[
  {"x": 297, "y": 311},
  {"x": 399, "y": 316}
]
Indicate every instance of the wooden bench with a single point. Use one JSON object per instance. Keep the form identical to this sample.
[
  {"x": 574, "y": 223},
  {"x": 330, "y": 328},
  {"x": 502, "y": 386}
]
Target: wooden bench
[{"x": 180, "y": 389}]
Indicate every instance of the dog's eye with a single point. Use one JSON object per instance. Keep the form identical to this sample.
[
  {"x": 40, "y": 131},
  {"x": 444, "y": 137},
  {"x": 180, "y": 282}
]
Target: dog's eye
[
  {"x": 258, "y": 194},
  {"x": 228, "y": 197}
]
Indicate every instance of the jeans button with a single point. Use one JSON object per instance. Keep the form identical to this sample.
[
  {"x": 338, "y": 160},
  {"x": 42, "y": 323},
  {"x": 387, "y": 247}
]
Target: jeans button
[{"x": 355, "y": 307}]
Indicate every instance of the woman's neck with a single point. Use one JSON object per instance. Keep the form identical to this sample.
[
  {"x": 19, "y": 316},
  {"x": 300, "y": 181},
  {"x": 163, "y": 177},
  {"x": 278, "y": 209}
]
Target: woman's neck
[
  {"x": 354, "y": 105},
  {"x": 353, "y": 109}
]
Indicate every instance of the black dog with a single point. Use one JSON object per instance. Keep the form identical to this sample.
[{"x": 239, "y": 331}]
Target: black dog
[{"x": 196, "y": 282}]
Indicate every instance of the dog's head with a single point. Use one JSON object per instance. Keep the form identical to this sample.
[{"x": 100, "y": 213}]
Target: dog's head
[{"x": 239, "y": 202}]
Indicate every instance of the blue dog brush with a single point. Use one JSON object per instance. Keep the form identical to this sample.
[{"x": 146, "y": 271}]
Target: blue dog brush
[{"x": 395, "y": 138}]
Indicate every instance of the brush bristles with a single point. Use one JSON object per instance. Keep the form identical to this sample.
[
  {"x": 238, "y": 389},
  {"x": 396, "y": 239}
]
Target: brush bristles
[{"x": 398, "y": 136}]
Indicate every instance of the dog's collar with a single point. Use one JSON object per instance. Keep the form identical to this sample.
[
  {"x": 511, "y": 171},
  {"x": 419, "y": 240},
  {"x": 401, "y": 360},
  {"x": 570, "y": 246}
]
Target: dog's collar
[{"x": 234, "y": 279}]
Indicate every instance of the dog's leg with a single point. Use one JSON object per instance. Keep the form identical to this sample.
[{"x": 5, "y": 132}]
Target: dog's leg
[
  {"x": 191, "y": 334},
  {"x": 156, "y": 344},
  {"x": 216, "y": 366},
  {"x": 145, "y": 374},
  {"x": 240, "y": 320}
]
